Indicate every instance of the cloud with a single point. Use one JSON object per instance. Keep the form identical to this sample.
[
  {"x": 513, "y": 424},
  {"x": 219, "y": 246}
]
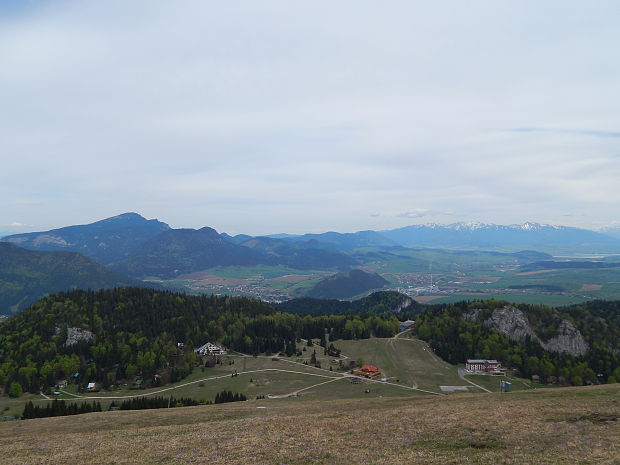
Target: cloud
[
  {"x": 417, "y": 213},
  {"x": 15, "y": 224},
  {"x": 271, "y": 116},
  {"x": 574, "y": 132}
]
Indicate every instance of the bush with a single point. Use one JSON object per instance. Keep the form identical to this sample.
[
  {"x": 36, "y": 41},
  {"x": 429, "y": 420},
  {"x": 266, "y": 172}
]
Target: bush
[{"x": 15, "y": 390}]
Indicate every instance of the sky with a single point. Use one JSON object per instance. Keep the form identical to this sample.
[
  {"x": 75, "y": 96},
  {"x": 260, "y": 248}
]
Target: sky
[{"x": 300, "y": 116}]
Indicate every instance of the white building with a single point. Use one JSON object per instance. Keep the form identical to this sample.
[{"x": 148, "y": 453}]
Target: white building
[{"x": 210, "y": 349}]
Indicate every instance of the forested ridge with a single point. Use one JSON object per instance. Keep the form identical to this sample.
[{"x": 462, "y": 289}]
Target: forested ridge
[
  {"x": 137, "y": 331},
  {"x": 456, "y": 337},
  {"x": 377, "y": 303}
]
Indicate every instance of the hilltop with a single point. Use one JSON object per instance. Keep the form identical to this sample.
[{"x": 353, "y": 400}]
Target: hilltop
[
  {"x": 26, "y": 275},
  {"x": 549, "y": 427},
  {"x": 105, "y": 241}
]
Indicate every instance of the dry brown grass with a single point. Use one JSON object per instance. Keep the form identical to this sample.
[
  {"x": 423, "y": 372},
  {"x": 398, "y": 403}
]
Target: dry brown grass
[{"x": 568, "y": 425}]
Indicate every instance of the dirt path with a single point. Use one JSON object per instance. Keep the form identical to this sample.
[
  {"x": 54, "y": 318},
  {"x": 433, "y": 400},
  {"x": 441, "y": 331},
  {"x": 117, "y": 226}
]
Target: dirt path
[
  {"x": 305, "y": 389},
  {"x": 197, "y": 381},
  {"x": 462, "y": 376}
]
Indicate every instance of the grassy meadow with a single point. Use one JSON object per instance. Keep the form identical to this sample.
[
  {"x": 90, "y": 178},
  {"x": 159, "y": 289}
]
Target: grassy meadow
[
  {"x": 550, "y": 426},
  {"x": 408, "y": 364}
]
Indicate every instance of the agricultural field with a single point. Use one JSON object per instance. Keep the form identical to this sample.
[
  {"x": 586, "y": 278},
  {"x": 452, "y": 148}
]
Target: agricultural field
[
  {"x": 548, "y": 427},
  {"x": 269, "y": 283},
  {"x": 457, "y": 275}
]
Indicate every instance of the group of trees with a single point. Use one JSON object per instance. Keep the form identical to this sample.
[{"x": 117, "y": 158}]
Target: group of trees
[
  {"x": 58, "y": 408},
  {"x": 137, "y": 331},
  {"x": 455, "y": 336},
  {"x": 144, "y": 403},
  {"x": 229, "y": 396}
]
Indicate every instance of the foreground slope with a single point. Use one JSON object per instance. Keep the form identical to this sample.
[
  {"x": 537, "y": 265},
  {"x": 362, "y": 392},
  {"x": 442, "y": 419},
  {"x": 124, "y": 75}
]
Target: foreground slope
[{"x": 559, "y": 426}]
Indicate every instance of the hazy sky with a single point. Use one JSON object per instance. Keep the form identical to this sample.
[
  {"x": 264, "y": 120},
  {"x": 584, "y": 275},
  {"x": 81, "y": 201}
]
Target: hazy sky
[{"x": 268, "y": 116}]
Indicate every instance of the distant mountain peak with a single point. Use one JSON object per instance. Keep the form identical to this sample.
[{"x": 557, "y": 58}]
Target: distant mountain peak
[
  {"x": 127, "y": 216},
  {"x": 475, "y": 225}
]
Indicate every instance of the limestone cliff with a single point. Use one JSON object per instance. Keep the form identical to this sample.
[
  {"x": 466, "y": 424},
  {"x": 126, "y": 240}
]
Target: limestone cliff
[{"x": 514, "y": 323}]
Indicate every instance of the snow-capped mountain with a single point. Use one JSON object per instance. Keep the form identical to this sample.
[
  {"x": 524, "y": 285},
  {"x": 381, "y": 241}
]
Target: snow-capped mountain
[{"x": 526, "y": 236}]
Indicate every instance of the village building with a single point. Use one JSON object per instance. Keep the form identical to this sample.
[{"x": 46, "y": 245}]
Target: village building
[
  {"x": 91, "y": 387},
  {"x": 210, "y": 349},
  {"x": 483, "y": 366},
  {"x": 405, "y": 325},
  {"x": 368, "y": 371}
]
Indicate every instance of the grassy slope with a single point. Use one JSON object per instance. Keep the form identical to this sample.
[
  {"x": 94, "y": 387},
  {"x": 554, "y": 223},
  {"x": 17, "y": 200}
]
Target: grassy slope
[
  {"x": 408, "y": 360},
  {"x": 408, "y": 363},
  {"x": 560, "y": 426}
]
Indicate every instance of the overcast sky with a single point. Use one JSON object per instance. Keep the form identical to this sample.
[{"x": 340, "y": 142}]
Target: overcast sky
[{"x": 296, "y": 116}]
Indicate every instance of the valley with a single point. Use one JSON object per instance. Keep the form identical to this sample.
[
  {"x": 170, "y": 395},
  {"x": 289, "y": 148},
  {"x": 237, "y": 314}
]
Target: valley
[{"x": 431, "y": 263}]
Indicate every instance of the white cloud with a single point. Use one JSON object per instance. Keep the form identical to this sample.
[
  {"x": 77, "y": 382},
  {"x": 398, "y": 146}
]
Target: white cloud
[{"x": 276, "y": 116}]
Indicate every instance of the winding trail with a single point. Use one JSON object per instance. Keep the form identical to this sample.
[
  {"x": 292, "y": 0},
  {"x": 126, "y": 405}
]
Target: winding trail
[
  {"x": 329, "y": 374},
  {"x": 211, "y": 378}
]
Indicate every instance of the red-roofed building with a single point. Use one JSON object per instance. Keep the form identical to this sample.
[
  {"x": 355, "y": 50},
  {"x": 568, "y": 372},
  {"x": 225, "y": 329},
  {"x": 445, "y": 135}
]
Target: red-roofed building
[{"x": 368, "y": 371}]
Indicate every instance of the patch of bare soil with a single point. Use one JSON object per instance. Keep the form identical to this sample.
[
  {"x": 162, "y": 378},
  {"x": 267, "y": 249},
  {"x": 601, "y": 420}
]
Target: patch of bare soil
[
  {"x": 289, "y": 278},
  {"x": 591, "y": 287},
  {"x": 528, "y": 273}
]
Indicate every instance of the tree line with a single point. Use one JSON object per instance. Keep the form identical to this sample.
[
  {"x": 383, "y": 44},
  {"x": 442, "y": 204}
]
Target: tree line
[
  {"x": 141, "y": 332},
  {"x": 455, "y": 337}
]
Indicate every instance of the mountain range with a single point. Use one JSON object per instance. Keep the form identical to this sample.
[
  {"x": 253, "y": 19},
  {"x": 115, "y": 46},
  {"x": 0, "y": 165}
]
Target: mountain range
[
  {"x": 132, "y": 247},
  {"x": 530, "y": 236},
  {"x": 106, "y": 241},
  {"x": 131, "y": 244}
]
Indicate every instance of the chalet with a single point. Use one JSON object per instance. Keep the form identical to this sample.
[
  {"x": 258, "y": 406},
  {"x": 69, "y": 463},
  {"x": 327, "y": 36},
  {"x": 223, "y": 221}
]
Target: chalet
[
  {"x": 368, "y": 371},
  {"x": 210, "y": 349},
  {"x": 405, "y": 325},
  {"x": 482, "y": 366},
  {"x": 91, "y": 387}
]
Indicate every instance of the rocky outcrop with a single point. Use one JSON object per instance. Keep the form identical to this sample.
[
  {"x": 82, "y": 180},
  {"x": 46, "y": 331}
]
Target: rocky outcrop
[
  {"x": 514, "y": 323},
  {"x": 472, "y": 315},
  {"x": 569, "y": 340},
  {"x": 404, "y": 303},
  {"x": 75, "y": 335}
]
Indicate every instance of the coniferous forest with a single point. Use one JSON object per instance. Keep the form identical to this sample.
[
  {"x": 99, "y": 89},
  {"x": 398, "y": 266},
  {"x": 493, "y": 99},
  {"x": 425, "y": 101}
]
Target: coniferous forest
[
  {"x": 456, "y": 338},
  {"x": 126, "y": 332}
]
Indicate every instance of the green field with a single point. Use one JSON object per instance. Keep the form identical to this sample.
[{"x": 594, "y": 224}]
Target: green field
[
  {"x": 404, "y": 361},
  {"x": 409, "y": 367},
  {"x": 542, "y": 299},
  {"x": 459, "y": 273}
]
